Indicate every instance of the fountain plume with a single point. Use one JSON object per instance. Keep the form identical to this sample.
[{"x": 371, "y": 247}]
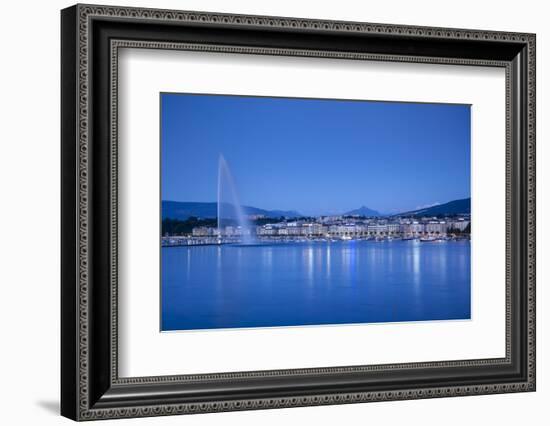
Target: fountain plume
[{"x": 232, "y": 220}]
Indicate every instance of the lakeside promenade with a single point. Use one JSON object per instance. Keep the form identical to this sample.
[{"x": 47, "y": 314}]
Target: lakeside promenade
[
  {"x": 327, "y": 229},
  {"x": 178, "y": 241}
]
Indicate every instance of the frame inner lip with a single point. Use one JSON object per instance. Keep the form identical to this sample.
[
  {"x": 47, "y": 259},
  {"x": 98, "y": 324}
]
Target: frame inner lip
[{"x": 115, "y": 45}]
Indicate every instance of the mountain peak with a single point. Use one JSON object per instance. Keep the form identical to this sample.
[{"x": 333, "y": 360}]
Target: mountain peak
[{"x": 363, "y": 211}]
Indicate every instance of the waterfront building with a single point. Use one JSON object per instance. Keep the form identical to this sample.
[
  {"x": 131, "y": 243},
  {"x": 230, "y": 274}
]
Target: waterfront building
[
  {"x": 392, "y": 228},
  {"x": 460, "y": 224},
  {"x": 282, "y": 231},
  {"x": 417, "y": 228},
  {"x": 318, "y": 229},
  {"x": 405, "y": 228},
  {"x": 294, "y": 230},
  {"x": 345, "y": 230},
  {"x": 307, "y": 229},
  {"x": 333, "y": 230},
  {"x": 377, "y": 229},
  {"x": 267, "y": 230},
  {"x": 435, "y": 227}
]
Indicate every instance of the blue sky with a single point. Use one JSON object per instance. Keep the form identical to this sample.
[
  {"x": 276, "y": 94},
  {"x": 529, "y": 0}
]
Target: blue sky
[{"x": 315, "y": 156}]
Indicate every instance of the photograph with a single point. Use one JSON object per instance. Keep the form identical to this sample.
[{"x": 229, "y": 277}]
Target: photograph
[{"x": 280, "y": 211}]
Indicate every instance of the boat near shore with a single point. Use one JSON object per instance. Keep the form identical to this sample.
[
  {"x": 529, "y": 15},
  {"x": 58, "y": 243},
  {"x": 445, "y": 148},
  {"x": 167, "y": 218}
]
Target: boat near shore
[
  {"x": 434, "y": 239},
  {"x": 428, "y": 239}
]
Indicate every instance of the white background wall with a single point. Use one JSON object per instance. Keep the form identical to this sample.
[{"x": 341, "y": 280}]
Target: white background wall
[{"x": 29, "y": 213}]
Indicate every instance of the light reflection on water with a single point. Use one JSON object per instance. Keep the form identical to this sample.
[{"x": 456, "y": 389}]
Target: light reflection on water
[
  {"x": 327, "y": 261},
  {"x": 314, "y": 283}
]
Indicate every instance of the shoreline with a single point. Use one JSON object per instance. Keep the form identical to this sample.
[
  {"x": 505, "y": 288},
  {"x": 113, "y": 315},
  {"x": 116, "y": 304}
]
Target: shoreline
[{"x": 262, "y": 242}]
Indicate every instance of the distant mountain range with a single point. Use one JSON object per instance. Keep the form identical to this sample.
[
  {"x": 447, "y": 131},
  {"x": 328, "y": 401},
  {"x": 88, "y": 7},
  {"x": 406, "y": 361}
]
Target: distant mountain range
[
  {"x": 183, "y": 210},
  {"x": 363, "y": 211},
  {"x": 451, "y": 208}
]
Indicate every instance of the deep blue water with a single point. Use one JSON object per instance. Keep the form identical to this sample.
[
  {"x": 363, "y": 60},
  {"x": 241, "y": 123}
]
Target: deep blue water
[{"x": 206, "y": 287}]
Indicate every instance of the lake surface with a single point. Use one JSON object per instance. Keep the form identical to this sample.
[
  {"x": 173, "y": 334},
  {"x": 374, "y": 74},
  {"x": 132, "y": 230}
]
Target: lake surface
[{"x": 207, "y": 287}]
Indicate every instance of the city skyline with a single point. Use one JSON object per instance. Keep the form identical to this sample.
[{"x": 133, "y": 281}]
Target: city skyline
[{"x": 316, "y": 156}]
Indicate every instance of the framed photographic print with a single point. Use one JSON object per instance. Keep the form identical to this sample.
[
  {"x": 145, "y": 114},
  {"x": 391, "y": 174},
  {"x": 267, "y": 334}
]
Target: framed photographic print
[{"x": 263, "y": 212}]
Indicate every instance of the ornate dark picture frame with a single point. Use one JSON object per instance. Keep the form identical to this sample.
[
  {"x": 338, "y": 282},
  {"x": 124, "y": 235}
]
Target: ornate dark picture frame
[{"x": 90, "y": 38}]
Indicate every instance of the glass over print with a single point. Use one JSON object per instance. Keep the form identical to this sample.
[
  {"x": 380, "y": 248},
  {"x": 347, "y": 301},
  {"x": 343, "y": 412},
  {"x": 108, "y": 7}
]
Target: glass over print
[{"x": 295, "y": 211}]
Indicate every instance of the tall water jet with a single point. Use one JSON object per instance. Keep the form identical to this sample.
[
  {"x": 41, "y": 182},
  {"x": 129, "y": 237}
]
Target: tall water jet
[{"x": 232, "y": 221}]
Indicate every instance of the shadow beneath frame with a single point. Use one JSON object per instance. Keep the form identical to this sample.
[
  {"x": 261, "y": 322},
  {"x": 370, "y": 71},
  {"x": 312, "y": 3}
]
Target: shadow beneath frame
[{"x": 51, "y": 406}]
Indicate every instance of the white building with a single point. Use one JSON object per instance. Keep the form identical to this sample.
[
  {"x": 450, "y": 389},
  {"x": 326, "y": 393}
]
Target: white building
[
  {"x": 435, "y": 227},
  {"x": 460, "y": 224}
]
